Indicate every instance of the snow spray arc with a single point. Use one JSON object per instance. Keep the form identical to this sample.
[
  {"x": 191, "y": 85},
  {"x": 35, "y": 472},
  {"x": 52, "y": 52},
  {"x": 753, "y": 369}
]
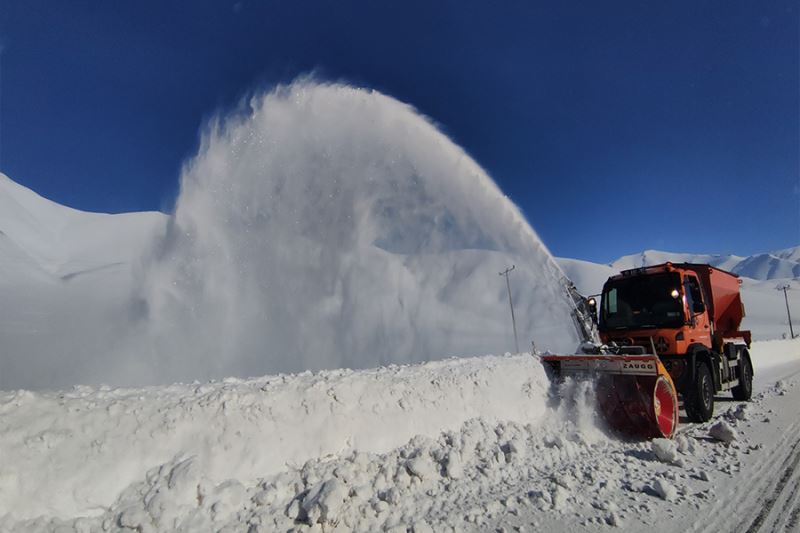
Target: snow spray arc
[{"x": 325, "y": 226}]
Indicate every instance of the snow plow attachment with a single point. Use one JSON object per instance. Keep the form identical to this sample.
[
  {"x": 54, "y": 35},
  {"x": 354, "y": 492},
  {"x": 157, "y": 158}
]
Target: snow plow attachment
[{"x": 635, "y": 393}]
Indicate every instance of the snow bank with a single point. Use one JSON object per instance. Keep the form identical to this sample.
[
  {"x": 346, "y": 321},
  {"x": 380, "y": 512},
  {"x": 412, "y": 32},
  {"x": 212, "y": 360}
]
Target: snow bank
[
  {"x": 771, "y": 359},
  {"x": 73, "y": 453}
]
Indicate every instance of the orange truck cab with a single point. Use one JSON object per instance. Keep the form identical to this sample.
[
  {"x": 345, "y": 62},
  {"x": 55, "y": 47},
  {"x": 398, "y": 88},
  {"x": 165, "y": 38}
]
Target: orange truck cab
[{"x": 689, "y": 315}]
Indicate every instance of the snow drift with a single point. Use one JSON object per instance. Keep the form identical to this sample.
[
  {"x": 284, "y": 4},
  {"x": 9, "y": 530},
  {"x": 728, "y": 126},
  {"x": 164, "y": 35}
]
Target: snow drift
[
  {"x": 72, "y": 453},
  {"x": 324, "y": 226},
  {"x": 65, "y": 287}
]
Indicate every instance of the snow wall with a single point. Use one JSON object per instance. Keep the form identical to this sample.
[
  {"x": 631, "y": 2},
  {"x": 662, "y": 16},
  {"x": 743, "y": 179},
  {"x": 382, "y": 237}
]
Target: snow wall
[
  {"x": 73, "y": 454},
  {"x": 323, "y": 226}
]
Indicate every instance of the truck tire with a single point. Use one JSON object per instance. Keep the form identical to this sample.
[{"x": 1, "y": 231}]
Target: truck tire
[
  {"x": 744, "y": 390},
  {"x": 699, "y": 399}
]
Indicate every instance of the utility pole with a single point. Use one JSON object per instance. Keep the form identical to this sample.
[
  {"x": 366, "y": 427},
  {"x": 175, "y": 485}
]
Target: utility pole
[
  {"x": 511, "y": 304},
  {"x": 784, "y": 288}
]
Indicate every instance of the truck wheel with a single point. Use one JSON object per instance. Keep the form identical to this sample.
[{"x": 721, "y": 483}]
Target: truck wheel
[
  {"x": 699, "y": 400},
  {"x": 744, "y": 390}
]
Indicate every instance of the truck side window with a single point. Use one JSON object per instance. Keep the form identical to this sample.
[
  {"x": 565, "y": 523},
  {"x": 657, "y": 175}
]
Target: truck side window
[
  {"x": 693, "y": 294},
  {"x": 612, "y": 301}
]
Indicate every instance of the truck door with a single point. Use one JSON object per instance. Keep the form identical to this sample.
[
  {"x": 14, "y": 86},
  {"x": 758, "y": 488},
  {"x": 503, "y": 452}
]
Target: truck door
[{"x": 700, "y": 325}]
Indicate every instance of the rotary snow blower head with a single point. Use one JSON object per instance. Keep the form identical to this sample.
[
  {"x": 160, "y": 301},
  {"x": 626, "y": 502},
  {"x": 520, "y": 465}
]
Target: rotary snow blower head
[{"x": 635, "y": 393}]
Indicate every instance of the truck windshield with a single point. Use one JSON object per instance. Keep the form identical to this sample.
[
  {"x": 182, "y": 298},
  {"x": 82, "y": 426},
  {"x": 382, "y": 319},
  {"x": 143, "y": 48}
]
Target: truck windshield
[{"x": 642, "y": 302}]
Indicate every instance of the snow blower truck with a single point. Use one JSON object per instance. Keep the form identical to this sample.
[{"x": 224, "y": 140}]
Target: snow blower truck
[{"x": 665, "y": 331}]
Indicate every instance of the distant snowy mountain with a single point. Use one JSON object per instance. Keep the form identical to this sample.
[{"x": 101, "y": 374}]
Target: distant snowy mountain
[
  {"x": 789, "y": 254},
  {"x": 780, "y": 265},
  {"x": 761, "y": 275},
  {"x": 775, "y": 265}
]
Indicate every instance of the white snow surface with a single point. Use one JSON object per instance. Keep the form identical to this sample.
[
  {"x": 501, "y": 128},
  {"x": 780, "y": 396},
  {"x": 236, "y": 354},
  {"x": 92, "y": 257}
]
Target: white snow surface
[
  {"x": 65, "y": 286},
  {"x": 469, "y": 444},
  {"x": 42, "y": 237}
]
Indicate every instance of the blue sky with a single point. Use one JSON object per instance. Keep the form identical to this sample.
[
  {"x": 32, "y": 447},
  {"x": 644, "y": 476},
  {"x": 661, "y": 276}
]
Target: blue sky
[{"x": 615, "y": 126}]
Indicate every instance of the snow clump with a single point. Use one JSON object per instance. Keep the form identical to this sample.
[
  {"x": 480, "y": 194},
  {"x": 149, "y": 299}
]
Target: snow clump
[
  {"x": 665, "y": 450},
  {"x": 665, "y": 490},
  {"x": 723, "y": 431}
]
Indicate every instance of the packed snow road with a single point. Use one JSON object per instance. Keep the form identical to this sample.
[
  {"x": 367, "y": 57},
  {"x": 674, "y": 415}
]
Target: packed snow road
[{"x": 459, "y": 445}]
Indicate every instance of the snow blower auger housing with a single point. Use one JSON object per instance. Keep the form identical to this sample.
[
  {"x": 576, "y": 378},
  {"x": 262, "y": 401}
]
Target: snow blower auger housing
[
  {"x": 635, "y": 393},
  {"x": 666, "y": 330}
]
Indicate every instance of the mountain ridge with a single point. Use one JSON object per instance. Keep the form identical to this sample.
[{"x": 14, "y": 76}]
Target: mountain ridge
[
  {"x": 778, "y": 264},
  {"x": 64, "y": 241}
]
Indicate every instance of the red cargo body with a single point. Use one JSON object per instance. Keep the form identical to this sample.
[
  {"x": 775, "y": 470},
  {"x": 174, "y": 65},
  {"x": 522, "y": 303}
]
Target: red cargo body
[{"x": 725, "y": 302}]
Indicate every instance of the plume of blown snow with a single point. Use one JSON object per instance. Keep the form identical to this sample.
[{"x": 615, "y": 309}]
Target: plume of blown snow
[
  {"x": 577, "y": 415},
  {"x": 324, "y": 226}
]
